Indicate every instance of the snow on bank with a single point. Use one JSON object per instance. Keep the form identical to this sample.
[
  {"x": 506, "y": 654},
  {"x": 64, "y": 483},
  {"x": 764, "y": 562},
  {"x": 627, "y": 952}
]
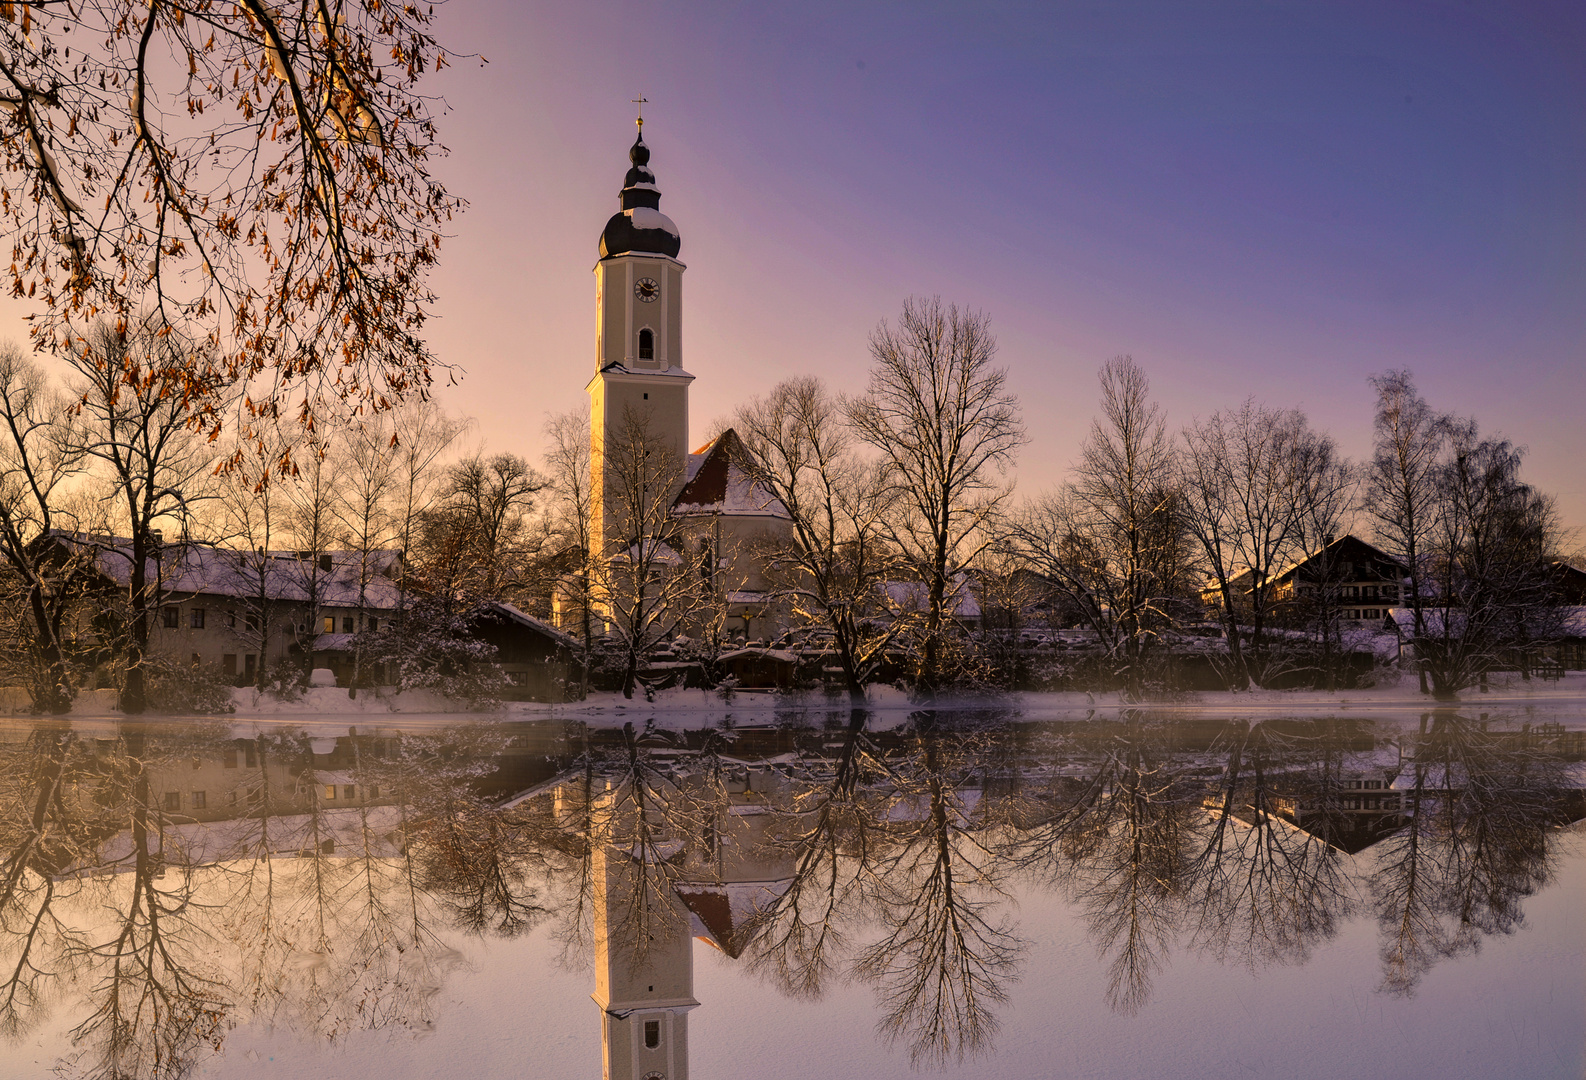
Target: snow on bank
[{"x": 1562, "y": 700}]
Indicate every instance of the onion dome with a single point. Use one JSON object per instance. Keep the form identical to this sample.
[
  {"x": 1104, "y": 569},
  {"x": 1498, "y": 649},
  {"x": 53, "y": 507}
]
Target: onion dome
[{"x": 640, "y": 227}]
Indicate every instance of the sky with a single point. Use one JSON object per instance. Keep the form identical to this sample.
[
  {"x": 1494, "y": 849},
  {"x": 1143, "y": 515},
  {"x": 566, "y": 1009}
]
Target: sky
[{"x": 1258, "y": 199}]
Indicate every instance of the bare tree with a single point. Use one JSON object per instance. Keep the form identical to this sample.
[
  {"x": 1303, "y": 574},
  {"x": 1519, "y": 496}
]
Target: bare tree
[
  {"x": 1113, "y": 540},
  {"x": 37, "y": 460},
  {"x": 362, "y": 511},
  {"x": 423, "y": 434},
  {"x": 1250, "y": 476},
  {"x": 1488, "y": 566},
  {"x": 485, "y": 506},
  {"x": 311, "y": 496},
  {"x": 643, "y": 585},
  {"x": 249, "y": 516},
  {"x": 265, "y": 167},
  {"x": 947, "y": 428},
  {"x": 135, "y": 428},
  {"x": 1330, "y": 504},
  {"x": 832, "y": 565},
  {"x": 571, "y": 486}
]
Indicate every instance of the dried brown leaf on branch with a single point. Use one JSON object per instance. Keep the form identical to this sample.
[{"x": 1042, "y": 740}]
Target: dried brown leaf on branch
[{"x": 256, "y": 173}]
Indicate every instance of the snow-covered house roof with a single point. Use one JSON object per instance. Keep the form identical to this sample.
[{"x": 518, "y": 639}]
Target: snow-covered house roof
[
  {"x": 339, "y": 578},
  {"x": 715, "y": 482},
  {"x": 523, "y": 618}
]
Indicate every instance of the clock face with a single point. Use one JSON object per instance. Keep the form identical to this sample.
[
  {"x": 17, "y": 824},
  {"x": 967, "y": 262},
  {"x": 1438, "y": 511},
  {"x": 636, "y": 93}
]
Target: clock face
[
  {"x": 647, "y": 290},
  {"x": 657, "y": 1075}
]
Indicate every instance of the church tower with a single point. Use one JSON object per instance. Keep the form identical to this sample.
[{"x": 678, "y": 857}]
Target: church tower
[{"x": 639, "y": 377}]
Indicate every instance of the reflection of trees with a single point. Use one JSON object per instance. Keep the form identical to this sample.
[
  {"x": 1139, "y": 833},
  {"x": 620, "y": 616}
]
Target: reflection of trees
[
  {"x": 1119, "y": 843},
  {"x": 946, "y": 951},
  {"x": 895, "y": 839},
  {"x": 155, "y": 991},
  {"x": 1262, "y": 889},
  {"x": 286, "y": 911},
  {"x": 890, "y": 857},
  {"x": 1476, "y": 843}
]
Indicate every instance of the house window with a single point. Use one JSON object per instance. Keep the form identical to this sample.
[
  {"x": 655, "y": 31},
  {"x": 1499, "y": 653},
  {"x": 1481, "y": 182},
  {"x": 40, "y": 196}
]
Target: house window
[
  {"x": 330, "y": 792},
  {"x": 330, "y": 624},
  {"x": 200, "y": 800},
  {"x": 349, "y": 791},
  {"x": 172, "y": 617},
  {"x": 371, "y": 791},
  {"x": 231, "y": 620},
  {"x": 173, "y": 800},
  {"x": 347, "y": 625},
  {"x": 646, "y": 344},
  {"x": 248, "y": 757},
  {"x": 324, "y": 563},
  {"x": 231, "y": 798},
  {"x": 229, "y": 758},
  {"x": 652, "y": 1034},
  {"x": 374, "y": 624},
  {"x": 251, "y": 621},
  {"x": 195, "y": 618}
]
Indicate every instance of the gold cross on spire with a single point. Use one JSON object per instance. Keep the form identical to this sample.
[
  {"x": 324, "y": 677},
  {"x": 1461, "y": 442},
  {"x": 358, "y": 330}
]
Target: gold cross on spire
[{"x": 640, "y": 101}]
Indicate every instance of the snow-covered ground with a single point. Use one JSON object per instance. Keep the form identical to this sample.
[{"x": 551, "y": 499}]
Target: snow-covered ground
[{"x": 331, "y": 710}]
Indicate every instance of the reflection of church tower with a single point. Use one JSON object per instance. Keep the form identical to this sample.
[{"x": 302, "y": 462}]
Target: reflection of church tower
[
  {"x": 638, "y": 327},
  {"x": 644, "y": 1000}
]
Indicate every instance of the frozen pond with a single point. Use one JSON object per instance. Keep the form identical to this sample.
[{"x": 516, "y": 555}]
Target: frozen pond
[{"x": 809, "y": 892}]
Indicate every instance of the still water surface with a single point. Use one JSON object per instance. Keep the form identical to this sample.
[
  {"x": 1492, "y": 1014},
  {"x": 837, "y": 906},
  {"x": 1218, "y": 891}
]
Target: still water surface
[{"x": 1132, "y": 895}]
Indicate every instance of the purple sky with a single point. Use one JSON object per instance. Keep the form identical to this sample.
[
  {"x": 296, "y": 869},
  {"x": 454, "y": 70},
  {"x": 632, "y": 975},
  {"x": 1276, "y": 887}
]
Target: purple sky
[{"x": 1269, "y": 199}]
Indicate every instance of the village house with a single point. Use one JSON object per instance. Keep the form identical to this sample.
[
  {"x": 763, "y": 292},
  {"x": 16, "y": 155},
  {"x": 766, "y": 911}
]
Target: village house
[
  {"x": 235, "y": 611},
  {"x": 1359, "y": 581}
]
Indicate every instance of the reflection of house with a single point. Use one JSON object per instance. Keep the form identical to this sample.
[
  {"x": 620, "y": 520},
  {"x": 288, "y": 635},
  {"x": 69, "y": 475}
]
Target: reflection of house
[{"x": 1359, "y": 581}]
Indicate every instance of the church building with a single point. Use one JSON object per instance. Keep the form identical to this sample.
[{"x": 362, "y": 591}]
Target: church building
[{"x": 645, "y": 482}]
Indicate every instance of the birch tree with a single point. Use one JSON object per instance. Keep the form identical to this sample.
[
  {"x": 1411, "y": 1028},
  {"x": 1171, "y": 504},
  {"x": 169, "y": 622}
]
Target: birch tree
[{"x": 1403, "y": 482}]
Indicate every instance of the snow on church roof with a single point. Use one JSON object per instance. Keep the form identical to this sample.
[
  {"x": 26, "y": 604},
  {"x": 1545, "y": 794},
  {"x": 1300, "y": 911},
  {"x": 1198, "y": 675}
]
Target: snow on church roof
[
  {"x": 715, "y": 483},
  {"x": 721, "y": 913}
]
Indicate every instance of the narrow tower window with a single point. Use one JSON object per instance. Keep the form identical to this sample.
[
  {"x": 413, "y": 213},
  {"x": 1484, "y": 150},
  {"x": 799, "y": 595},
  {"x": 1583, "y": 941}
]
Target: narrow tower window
[
  {"x": 646, "y": 344},
  {"x": 652, "y": 1034}
]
